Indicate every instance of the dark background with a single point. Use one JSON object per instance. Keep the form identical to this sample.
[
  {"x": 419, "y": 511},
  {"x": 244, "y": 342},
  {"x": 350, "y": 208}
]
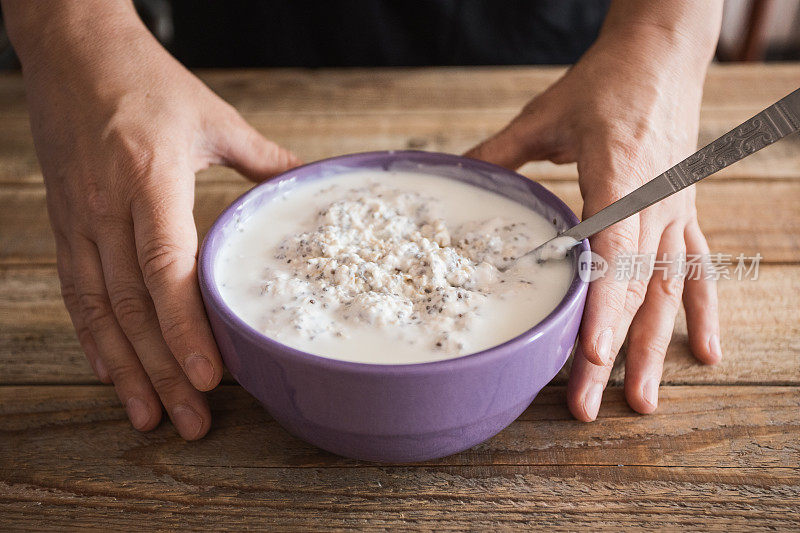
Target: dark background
[
  {"x": 383, "y": 32},
  {"x": 342, "y": 33}
]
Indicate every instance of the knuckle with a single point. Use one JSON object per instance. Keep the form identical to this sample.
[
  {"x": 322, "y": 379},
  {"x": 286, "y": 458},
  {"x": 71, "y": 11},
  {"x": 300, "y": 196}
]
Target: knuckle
[
  {"x": 168, "y": 382},
  {"x": 69, "y": 295},
  {"x": 96, "y": 204},
  {"x": 158, "y": 258},
  {"x": 100, "y": 213},
  {"x": 97, "y": 201},
  {"x": 145, "y": 156},
  {"x": 637, "y": 291},
  {"x": 123, "y": 371},
  {"x": 132, "y": 311},
  {"x": 624, "y": 164},
  {"x": 623, "y": 151},
  {"x": 649, "y": 346},
  {"x": 133, "y": 145},
  {"x": 84, "y": 336},
  {"x": 176, "y": 332},
  {"x": 139, "y": 162},
  {"x": 671, "y": 287},
  {"x": 96, "y": 311}
]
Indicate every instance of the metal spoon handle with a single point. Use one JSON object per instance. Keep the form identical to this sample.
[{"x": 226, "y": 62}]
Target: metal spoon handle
[{"x": 772, "y": 124}]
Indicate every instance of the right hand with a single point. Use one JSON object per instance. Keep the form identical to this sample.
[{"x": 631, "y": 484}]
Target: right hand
[
  {"x": 120, "y": 129},
  {"x": 625, "y": 112}
]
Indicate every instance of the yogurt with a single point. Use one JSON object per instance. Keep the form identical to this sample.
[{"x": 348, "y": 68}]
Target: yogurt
[{"x": 390, "y": 268}]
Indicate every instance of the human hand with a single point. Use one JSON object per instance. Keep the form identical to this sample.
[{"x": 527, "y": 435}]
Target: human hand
[
  {"x": 120, "y": 129},
  {"x": 627, "y": 111}
]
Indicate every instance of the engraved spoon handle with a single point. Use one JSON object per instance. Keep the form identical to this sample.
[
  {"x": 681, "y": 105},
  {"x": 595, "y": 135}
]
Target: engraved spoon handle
[{"x": 772, "y": 124}]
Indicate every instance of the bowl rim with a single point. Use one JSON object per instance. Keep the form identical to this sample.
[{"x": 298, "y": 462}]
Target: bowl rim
[{"x": 213, "y": 297}]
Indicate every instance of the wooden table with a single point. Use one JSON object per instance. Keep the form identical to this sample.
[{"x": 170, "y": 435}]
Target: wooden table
[{"x": 721, "y": 452}]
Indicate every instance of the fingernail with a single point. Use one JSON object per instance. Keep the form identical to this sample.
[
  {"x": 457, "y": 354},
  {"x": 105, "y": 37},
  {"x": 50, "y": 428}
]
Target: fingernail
[
  {"x": 591, "y": 402},
  {"x": 200, "y": 371},
  {"x": 187, "y": 421},
  {"x": 138, "y": 413},
  {"x": 714, "y": 347},
  {"x": 603, "y": 346},
  {"x": 650, "y": 391}
]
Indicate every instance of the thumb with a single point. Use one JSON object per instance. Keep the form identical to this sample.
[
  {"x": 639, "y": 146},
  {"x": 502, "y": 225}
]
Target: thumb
[
  {"x": 243, "y": 148},
  {"x": 526, "y": 138}
]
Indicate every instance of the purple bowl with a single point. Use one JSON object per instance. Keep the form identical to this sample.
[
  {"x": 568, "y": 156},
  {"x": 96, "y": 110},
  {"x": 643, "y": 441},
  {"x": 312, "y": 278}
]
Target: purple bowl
[{"x": 395, "y": 413}]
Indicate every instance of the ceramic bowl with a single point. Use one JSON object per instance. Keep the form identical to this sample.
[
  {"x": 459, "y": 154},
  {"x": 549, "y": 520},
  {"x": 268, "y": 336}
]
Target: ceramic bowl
[{"x": 395, "y": 413}]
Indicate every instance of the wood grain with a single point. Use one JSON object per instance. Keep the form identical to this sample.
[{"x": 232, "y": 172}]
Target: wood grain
[
  {"x": 383, "y": 90},
  {"x": 723, "y": 453},
  {"x": 760, "y": 323},
  {"x": 323, "y": 135},
  {"x": 323, "y": 113},
  {"x": 737, "y": 217}
]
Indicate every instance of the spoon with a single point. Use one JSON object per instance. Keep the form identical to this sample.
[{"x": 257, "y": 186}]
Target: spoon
[{"x": 772, "y": 124}]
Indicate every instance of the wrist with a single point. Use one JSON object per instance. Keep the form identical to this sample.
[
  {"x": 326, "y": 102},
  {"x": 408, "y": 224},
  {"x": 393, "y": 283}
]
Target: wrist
[
  {"x": 64, "y": 28},
  {"x": 671, "y": 35},
  {"x": 656, "y": 48}
]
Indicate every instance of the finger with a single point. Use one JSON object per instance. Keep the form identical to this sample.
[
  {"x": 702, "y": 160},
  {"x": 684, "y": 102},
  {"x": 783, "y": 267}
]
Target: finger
[
  {"x": 166, "y": 244},
  {"x": 585, "y": 387},
  {"x": 606, "y": 299},
  {"x": 700, "y": 300},
  {"x": 522, "y": 140},
  {"x": 56, "y": 206},
  {"x": 651, "y": 328},
  {"x": 70, "y": 297},
  {"x": 636, "y": 290},
  {"x": 649, "y": 238},
  {"x": 608, "y": 171},
  {"x": 136, "y": 316},
  {"x": 243, "y": 148},
  {"x": 130, "y": 381}
]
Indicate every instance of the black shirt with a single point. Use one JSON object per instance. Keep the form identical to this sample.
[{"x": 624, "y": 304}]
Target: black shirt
[{"x": 335, "y": 33}]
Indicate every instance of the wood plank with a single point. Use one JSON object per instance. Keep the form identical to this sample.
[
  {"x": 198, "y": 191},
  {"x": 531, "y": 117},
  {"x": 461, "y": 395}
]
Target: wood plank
[
  {"x": 738, "y": 217},
  {"x": 760, "y": 323},
  {"x": 322, "y": 135},
  {"x": 718, "y": 456},
  {"x": 722, "y": 456},
  {"x": 411, "y": 89},
  {"x": 323, "y": 113},
  {"x": 465, "y": 500}
]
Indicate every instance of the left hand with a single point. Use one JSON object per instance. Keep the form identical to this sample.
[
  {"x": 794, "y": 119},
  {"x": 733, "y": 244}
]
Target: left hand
[
  {"x": 120, "y": 129},
  {"x": 627, "y": 111}
]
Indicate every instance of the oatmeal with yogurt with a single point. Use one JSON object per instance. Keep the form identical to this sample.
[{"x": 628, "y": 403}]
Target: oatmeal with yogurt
[{"x": 391, "y": 268}]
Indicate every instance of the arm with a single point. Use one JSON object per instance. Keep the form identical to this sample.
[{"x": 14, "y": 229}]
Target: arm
[
  {"x": 120, "y": 128},
  {"x": 625, "y": 112}
]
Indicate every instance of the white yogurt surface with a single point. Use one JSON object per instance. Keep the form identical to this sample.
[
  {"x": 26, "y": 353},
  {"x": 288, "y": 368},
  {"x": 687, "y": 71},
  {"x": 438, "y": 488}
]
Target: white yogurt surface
[{"x": 390, "y": 268}]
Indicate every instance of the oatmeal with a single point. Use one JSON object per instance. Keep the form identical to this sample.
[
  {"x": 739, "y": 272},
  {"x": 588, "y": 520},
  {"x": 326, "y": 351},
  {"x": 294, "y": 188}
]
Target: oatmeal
[{"x": 365, "y": 268}]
